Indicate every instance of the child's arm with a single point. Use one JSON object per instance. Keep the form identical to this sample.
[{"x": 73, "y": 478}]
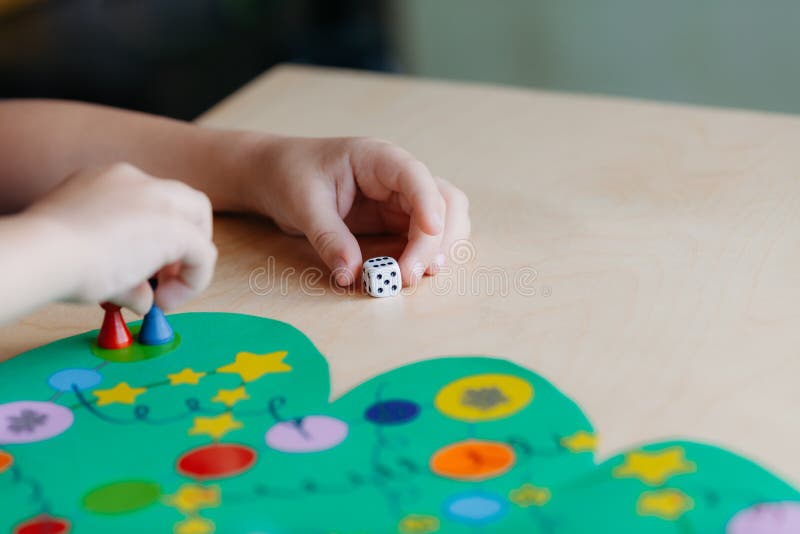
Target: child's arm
[
  {"x": 44, "y": 141},
  {"x": 326, "y": 189},
  {"x": 99, "y": 236}
]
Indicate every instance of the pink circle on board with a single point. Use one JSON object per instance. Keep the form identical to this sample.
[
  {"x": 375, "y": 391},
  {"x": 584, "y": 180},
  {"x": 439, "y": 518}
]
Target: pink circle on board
[
  {"x": 309, "y": 434},
  {"x": 767, "y": 518},
  {"x": 31, "y": 421}
]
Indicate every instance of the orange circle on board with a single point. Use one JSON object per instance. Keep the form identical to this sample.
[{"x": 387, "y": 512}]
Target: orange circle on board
[
  {"x": 5, "y": 461},
  {"x": 473, "y": 460}
]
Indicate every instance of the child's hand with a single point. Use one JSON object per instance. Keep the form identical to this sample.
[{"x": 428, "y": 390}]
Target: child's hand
[
  {"x": 331, "y": 188},
  {"x": 126, "y": 226}
]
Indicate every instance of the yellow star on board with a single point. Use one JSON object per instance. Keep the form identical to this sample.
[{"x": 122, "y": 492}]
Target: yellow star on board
[
  {"x": 580, "y": 441},
  {"x": 529, "y": 495},
  {"x": 122, "y": 393},
  {"x": 229, "y": 397},
  {"x": 187, "y": 376},
  {"x": 216, "y": 427},
  {"x": 667, "y": 504},
  {"x": 654, "y": 468},
  {"x": 194, "y": 525},
  {"x": 192, "y": 497},
  {"x": 251, "y": 366},
  {"x": 418, "y": 524}
]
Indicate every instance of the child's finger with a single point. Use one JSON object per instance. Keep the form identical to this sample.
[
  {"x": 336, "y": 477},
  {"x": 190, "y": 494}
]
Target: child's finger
[
  {"x": 421, "y": 250},
  {"x": 139, "y": 299},
  {"x": 333, "y": 241},
  {"x": 196, "y": 269},
  {"x": 384, "y": 169},
  {"x": 457, "y": 224},
  {"x": 190, "y": 204}
]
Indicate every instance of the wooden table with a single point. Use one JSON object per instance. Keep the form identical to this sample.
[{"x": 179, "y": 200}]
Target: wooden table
[{"x": 652, "y": 253}]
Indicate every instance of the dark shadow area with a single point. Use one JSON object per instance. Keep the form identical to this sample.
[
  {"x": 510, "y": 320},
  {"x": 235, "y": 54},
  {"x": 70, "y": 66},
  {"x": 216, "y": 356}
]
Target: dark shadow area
[{"x": 176, "y": 57}]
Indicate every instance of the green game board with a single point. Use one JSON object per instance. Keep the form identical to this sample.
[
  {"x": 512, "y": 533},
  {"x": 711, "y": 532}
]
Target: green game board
[{"x": 231, "y": 430}]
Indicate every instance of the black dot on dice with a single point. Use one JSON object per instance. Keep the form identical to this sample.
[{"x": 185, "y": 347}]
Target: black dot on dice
[
  {"x": 380, "y": 276},
  {"x": 394, "y": 273},
  {"x": 380, "y": 290},
  {"x": 386, "y": 282},
  {"x": 382, "y": 265},
  {"x": 394, "y": 288},
  {"x": 385, "y": 258}
]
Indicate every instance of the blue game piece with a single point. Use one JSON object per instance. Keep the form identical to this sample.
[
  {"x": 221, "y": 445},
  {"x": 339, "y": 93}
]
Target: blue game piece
[{"x": 155, "y": 329}]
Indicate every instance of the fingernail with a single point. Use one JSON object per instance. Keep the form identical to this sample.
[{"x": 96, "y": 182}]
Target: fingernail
[
  {"x": 341, "y": 273},
  {"x": 417, "y": 271},
  {"x": 439, "y": 262}
]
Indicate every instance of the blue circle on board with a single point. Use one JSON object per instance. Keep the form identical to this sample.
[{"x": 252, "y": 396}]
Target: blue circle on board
[
  {"x": 392, "y": 412},
  {"x": 475, "y": 508},
  {"x": 65, "y": 379}
]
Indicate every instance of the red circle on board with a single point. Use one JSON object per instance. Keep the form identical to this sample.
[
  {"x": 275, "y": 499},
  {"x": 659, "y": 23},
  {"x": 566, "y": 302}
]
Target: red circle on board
[
  {"x": 43, "y": 525},
  {"x": 218, "y": 460}
]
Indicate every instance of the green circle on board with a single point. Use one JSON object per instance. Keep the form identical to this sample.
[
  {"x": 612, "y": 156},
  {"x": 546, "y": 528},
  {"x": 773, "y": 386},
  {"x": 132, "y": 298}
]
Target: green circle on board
[
  {"x": 136, "y": 352},
  {"x": 122, "y": 497}
]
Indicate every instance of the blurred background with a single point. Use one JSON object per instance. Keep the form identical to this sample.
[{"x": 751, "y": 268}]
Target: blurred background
[{"x": 179, "y": 57}]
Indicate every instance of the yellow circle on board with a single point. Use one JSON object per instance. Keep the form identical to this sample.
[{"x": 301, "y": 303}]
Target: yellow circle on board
[{"x": 484, "y": 397}]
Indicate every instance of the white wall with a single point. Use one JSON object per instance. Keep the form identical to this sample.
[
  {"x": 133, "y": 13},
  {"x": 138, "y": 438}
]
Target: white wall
[{"x": 743, "y": 53}]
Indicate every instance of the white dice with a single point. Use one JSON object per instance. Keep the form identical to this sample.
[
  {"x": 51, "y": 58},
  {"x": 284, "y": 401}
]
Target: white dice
[{"x": 381, "y": 277}]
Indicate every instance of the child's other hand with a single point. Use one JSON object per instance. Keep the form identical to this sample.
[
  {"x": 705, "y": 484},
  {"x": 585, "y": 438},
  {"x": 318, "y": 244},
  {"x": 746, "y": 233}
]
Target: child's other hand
[
  {"x": 332, "y": 188},
  {"x": 127, "y": 226}
]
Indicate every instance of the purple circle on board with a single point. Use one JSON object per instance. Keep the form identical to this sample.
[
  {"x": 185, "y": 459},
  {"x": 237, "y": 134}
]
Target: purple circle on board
[
  {"x": 308, "y": 434},
  {"x": 767, "y": 518},
  {"x": 31, "y": 421}
]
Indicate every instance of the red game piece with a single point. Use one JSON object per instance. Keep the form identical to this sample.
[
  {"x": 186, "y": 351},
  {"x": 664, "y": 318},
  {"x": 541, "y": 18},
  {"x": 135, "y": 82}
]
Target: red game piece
[{"x": 114, "y": 333}]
